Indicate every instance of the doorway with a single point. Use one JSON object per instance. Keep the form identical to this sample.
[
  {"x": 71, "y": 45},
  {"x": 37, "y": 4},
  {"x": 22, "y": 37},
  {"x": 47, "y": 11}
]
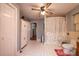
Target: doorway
[{"x": 34, "y": 26}]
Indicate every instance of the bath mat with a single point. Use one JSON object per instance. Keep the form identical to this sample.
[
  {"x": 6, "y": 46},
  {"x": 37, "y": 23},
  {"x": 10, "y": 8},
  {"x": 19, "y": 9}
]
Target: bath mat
[{"x": 60, "y": 52}]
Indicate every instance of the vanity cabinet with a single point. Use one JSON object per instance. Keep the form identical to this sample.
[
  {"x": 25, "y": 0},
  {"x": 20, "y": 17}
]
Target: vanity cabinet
[
  {"x": 76, "y": 22},
  {"x": 77, "y": 50},
  {"x": 77, "y": 27}
]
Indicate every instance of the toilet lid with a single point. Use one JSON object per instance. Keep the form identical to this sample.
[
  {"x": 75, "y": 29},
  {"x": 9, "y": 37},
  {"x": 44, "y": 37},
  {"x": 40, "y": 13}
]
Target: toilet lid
[{"x": 67, "y": 46}]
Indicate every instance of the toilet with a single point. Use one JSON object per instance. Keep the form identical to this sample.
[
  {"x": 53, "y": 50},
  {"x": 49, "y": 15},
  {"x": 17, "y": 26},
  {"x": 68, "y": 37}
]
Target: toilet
[{"x": 68, "y": 48}]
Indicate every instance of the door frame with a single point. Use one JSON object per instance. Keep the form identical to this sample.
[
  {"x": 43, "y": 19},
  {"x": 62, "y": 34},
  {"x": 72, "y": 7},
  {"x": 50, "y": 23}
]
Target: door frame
[
  {"x": 18, "y": 26},
  {"x": 31, "y": 38}
]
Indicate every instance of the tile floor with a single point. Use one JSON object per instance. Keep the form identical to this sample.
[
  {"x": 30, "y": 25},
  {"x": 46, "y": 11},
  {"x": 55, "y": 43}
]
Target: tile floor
[{"x": 35, "y": 48}]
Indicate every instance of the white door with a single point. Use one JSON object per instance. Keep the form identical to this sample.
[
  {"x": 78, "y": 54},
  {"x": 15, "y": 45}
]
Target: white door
[
  {"x": 8, "y": 30},
  {"x": 23, "y": 35},
  {"x": 25, "y": 32},
  {"x": 28, "y": 30}
]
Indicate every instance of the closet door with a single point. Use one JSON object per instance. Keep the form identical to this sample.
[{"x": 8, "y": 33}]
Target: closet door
[{"x": 8, "y": 30}]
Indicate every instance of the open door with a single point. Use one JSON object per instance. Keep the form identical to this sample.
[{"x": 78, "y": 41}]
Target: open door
[
  {"x": 25, "y": 33},
  {"x": 34, "y": 25}
]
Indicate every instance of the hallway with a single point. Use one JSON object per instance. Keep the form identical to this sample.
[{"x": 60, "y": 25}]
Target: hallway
[{"x": 35, "y": 48}]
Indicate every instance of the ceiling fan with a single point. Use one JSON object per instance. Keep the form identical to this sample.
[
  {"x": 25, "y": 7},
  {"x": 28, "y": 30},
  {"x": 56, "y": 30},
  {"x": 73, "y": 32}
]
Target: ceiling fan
[{"x": 44, "y": 9}]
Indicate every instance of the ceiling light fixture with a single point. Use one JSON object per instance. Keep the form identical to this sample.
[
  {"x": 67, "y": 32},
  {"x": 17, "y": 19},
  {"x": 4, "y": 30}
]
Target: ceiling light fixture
[{"x": 43, "y": 12}]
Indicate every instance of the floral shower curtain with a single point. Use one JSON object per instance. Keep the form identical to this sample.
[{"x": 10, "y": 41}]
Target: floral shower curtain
[{"x": 55, "y": 30}]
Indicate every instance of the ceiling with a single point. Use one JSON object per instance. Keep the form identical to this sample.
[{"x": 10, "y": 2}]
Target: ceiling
[{"x": 56, "y": 8}]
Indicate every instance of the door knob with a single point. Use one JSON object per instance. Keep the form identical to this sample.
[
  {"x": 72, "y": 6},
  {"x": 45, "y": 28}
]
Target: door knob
[
  {"x": 24, "y": 38},
  {"x": 2, "y": 38}
]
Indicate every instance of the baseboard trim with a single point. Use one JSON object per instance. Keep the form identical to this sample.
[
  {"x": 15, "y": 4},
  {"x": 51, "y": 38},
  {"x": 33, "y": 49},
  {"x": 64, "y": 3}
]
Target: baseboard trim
[{"x": 24, "y": 46}]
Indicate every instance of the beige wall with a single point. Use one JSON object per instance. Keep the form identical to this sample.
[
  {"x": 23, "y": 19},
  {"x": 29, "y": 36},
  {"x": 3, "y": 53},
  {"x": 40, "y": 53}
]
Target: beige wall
[
  {"x": 71, "y": 28},
  {"x": 70, "y": 19}
]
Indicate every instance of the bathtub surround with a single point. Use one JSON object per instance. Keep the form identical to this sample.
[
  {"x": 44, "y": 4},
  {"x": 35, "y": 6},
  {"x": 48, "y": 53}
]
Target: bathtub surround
[{"x": 55, "y": 30}]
